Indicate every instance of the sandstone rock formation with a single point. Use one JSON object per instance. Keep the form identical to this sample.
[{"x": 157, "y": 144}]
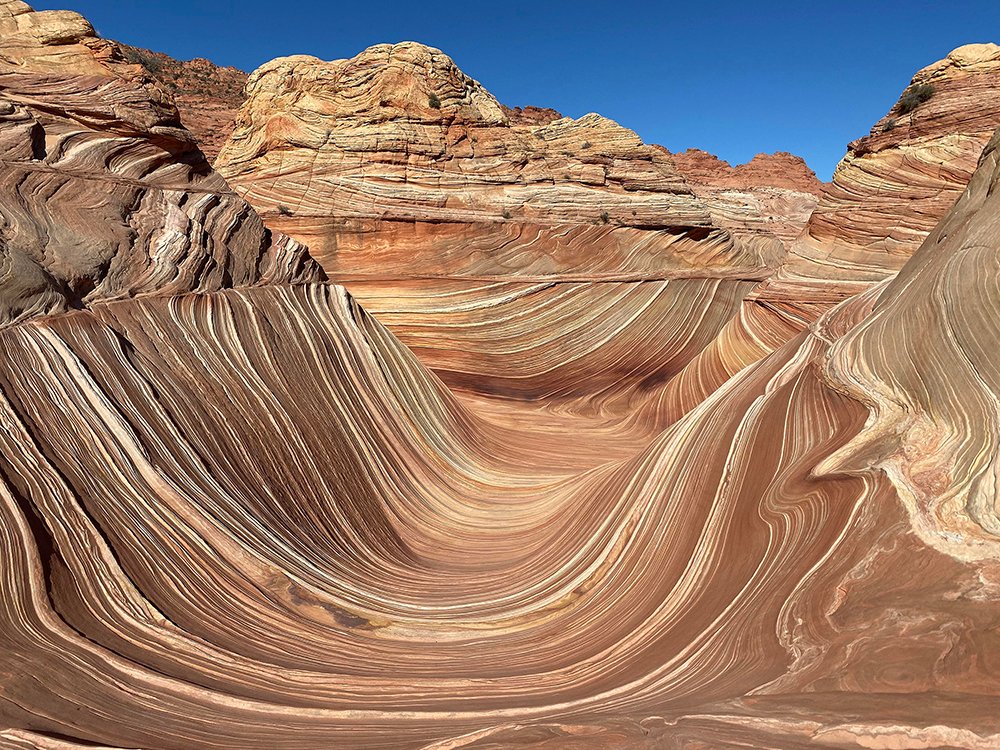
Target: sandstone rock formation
[
  {"x": 896, "y": 183},
  {"x": 475, "y": 237},
  {"x": 208, "y": 96},
  {"x": 237, "y": 512},
  {"x": 399, "y": 143},
  {"x": 772, "y": 194},
  {"x": 104, "y": 195}
]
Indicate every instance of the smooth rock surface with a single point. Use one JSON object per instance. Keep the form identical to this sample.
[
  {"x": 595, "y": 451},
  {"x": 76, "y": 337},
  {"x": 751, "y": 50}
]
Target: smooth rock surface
[{"x": 237, "y": 512}]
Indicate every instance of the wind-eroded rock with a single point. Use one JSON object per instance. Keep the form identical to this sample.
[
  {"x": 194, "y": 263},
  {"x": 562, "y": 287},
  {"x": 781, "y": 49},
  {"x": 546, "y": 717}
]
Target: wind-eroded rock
[
  {"x": 396, "y": 164},
  {"x": 477, "y": 234},
  {"x": 382, "y": 566},
  {"x": 770, "y": 195},
  {"x": 926, "y": 364},
  {"x": 102, "y": 193},
  {"x": 896, "y": 183}
]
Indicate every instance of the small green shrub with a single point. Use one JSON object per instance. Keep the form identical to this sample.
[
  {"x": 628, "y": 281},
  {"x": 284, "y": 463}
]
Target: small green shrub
[
  {"x": 145, "y": 59},
  {"x": 586, "y": 144},
  {"x": 284, "y": 210},
  {"x": 433, "y": 102},
  {"x": 506, "y": 214},
  {"x": 914, "y": 96},
  {"x": 890, "y": 124},
  {"x": 604, "y": 217}
]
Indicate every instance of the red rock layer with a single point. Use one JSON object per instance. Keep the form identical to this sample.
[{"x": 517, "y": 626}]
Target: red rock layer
[
  {"x": 251, "y": 518},
  {"x": 531, "y": 115},
  {"x": 771, "y": 195},
  {"x": 780, "y": 170},
  {"x": 208, "y": 96}
]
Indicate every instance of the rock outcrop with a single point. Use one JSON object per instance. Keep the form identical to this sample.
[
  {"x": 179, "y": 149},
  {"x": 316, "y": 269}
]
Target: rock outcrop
[
  {"x": 236, "y": 512},
  {"x": 780, "y": 170},
  {"x": 453, "y": 221},
  {"x": 208, "y": 96},
  {"x": 771, "y": 195},
  {"x": 896, "y": 183},
  {"x": 369, "y": 158},
  {"x": 531, "y": 115},
  {"x": 103, "y": 194}
]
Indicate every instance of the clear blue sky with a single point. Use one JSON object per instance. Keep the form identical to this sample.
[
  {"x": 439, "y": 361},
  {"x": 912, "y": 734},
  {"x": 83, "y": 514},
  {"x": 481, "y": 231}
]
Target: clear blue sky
[{"x": 733, "y": 77}]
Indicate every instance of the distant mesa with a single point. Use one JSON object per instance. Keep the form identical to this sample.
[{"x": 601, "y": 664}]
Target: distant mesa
[
  {"x": 778, "y": 170},
  {"x": 772, "y": 194}
]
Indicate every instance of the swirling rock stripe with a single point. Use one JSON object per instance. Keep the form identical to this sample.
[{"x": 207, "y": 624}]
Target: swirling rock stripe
[
  {"x": 328, "y": 576},
  {"x": 102, "y": 194},
  {"x": 555, "y": 341},
  {"x": 237, "y": 512}
]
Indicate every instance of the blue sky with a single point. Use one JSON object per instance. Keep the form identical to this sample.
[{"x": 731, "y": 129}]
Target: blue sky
[{"x": 733, "y": 78}]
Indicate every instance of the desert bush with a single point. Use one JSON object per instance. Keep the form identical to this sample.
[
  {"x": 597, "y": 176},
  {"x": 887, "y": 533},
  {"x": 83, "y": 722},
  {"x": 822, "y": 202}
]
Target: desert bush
[
  {"x": 914, "y": 96},
  {"x": 433, "y": 102},
  {"x": 145, "y": 59}
]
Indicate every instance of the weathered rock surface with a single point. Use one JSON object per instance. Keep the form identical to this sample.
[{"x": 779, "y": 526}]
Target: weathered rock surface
[
  {"x": 208, "y": 96},
  {"x": 896, "y": 183},
  {"x": 531, "y": 115},
  {"x": 368, "y": 159},
  {"x": 250, "y": 517},
  {"x": 102, "y": 194},
  {"x": 780, "y": 170},
  {"x": 770, "y": 195},
  {"x": 476, "y": 236}
]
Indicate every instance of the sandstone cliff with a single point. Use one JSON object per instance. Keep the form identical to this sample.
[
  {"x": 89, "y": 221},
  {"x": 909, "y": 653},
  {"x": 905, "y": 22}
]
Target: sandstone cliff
[
  {"x": 208, "y": 96},
  {"x": 896, "y": 183},
  {"x": 780, "y": 170},
  {"x": 771, "y": 195}
]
